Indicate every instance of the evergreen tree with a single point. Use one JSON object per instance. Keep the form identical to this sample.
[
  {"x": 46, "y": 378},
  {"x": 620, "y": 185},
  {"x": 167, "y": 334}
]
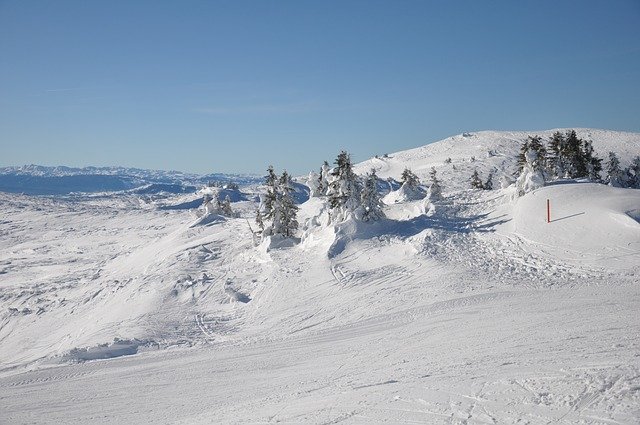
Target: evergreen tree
[
  {"x": 633, "y": 173},
  {"x": 323, "y": 179},
  {"x": 592, "y": 162},
  {"x": 435, "y": 190},
  {"x": 554, "y": 160},
  {"x": 271, "y": 181},
  {"x": 533, "y": 143},
  {"x": 530, "y": 178},
  {"x": 614, "y": 173},
  {"x": 226, "y": 207},
  {"x": 573, "y": 153},
  {"x": 288, "y": 210},
  {"x": 476, "y": 183},
  {"x": 488, "y": 185},
  {"x": 410, "y": 179},
  {"x": 259, "y": 220},
  {"x": 344, "y": 190},
  {"x": 370, "y": 199}
]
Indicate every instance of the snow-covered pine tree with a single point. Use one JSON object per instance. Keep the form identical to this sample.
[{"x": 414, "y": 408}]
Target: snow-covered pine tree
[
  {"x": 574, "y": 155},
  {"x": 323, "y": 179},
  {"x": 313, "y": 182},
  {"x": 344, "y": 188},
  {"x": 271, "y": 181},
  {"x": 259, "y": 220},
  {"x": 409, "y": 178},
  {"x": 435, "y": 189},
  {"x": 555, "y": 161},
  {"x": 288, "y": 210},
  {"x": 488, "y": 185},
  {"x": 476, "y": 183},
  {"x": 615, "y": 176},
  {"x": 226, "y": 207},
  {"x": 633, "y": 173},
  {"x": 370, "y": 199},
  {"x": 592, "y": 162},
  {"x": 532, "y": 175}
]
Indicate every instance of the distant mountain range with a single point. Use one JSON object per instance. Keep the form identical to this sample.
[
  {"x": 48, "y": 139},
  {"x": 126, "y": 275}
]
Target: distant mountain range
[{"x": 62, "y": 180}]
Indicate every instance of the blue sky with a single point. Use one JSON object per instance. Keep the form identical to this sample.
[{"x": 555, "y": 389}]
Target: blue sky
[{"x": 233, "y": 86}]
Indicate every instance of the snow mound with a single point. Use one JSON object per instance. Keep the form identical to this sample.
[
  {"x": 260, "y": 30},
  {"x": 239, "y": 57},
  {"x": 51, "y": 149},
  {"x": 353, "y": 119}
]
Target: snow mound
[
  {"x": 403, "y": 194},
  {"x": 590, "y": 224}
]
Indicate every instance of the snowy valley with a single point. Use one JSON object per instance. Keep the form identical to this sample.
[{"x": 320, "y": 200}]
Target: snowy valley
[{"x": 469, "y": 307}]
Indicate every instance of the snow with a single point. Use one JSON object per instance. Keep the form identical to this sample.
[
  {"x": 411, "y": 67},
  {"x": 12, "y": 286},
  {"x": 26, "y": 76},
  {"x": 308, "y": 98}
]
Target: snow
[{"x": 466, "y": 309}]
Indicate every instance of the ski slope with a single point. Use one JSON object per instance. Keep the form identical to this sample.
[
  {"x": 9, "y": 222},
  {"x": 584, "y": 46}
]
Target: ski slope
[{"x": 114, "y": 310}]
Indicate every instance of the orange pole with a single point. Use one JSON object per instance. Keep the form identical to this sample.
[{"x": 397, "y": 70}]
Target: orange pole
[{"x": 548, "y": 212}]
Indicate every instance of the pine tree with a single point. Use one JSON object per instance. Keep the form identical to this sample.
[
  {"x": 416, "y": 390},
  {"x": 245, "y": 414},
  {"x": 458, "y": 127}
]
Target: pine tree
[
  {"x": 259, "y": 220},
  {"x": 593, "y": 163},
  {"x": 533, "y": 143},
  {"x": 370, "y": 199},
  {"x": 323, "y": 181},
  {"x": 226, "y": 207},
  {"x": 573, "y": 153},
  {"x": 344, "y": 189},
  {"x": 488, "y": 185},
  {"x": 554, "y": 160},
  {"x": 521, "y": 160},
  {"x": 435, "y": 190},
  {"x": 633, "y": 173},
  {"x": 271, "y": 181},
  {"x": 531, "y": 177},
  {"x": 476, "y": 183},
  {"x": 288, "y": 210},
  {"x": 614, "y": 173},
  {"x": 410, "y": 179}
]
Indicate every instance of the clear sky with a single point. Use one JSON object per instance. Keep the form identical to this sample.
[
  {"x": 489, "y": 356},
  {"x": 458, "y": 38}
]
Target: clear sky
[{"x": 233, "y": 86}]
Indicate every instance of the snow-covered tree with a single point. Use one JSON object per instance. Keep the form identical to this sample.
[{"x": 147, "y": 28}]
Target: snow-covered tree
[
  {"x": 313, "y": 182},
  {"x": 226, "y": 207},
  {"x": 288, "y": 210},
  {"x": 344, "y": 188},
  {"x": 555, "y": 161},
  {"x": 409, "y": 178},
  {"x": 476, "y": 183},
  {"x": 488, "y": 185},
  {"x": 531, "y": 177},
  {"x": 533, "y": 143},
  {"x": 633, "y": 173},
  {"x": 278, "y": 206},
  {"x": 323, "y": 179},
  {"x": 318, "y": 182},
  {"x": 435, "y": 189},
  {"x": 593, "y": 164},
  {"x": 370, "y": 199},
  {"x": 259, "y": 220},
  {"x": 270, "y": 198},
  {"x": 615, "y": 176}
]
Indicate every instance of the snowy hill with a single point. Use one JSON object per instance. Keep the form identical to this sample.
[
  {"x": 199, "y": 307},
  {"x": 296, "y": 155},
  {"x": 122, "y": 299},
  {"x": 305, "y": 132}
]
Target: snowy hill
[
  {"x": 489, "y": 151},
  {"x": 470, "y": 309}
]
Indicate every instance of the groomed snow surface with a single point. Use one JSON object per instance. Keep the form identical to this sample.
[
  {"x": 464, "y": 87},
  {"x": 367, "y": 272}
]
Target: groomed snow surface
[{"x": 117, "y": 309}]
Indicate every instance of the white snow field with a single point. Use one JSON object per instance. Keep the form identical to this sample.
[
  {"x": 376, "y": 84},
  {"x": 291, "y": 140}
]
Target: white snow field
[{"x": 471, "y": 310}]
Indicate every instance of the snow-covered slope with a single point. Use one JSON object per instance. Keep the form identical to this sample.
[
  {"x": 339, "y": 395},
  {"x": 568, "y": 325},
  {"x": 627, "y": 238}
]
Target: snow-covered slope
[
  {"x": 477, "y": 312},
  {"x": 488, "y": 151}
]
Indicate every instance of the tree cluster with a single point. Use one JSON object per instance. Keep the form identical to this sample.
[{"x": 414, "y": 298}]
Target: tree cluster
[
  {"x": 477, "y": 183},
  {"x": 568, "y": 156}
]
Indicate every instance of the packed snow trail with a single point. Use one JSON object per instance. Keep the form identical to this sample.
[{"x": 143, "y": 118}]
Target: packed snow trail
[{"x": 530, "y": 355}]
